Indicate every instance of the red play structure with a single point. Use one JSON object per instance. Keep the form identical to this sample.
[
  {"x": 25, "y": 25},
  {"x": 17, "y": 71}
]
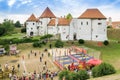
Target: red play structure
[{"x": 80, "y": 59}]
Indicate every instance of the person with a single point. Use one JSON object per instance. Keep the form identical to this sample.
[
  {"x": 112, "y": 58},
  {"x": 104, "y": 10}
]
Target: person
[
  {"x": 13, "y": 70},
  {"x": 40, "y": 59},
  {"x": 35, "y": 53},
  {"x": 44, "y": 67},
  {"x": 23, "y": 57},
  {"x": 10, "y": 76},
  {"x": 68, "y": 67},
  {"x": 45, "y": 63},
  {"x": 48, "y": 54},
  {"x": 51, "y": 76},
  {"x": 18, "y": 66},
  {"x": 0, "y": 68},
  {"x": 29, "y": 56},
  {"x": 42, "y": 54}
]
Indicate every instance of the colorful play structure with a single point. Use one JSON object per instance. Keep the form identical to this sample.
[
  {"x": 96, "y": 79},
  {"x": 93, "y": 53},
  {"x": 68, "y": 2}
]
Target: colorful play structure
[
  {"x": 76, "y": 58},
  {"x": 13, "y": 49}
]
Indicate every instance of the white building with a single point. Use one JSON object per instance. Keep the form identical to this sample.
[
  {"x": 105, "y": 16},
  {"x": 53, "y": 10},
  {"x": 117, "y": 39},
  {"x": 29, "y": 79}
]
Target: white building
[{"x": 91, "y": 25}]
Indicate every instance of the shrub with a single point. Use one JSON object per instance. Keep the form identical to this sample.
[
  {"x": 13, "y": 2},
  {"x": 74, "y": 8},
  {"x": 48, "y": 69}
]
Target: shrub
[
  {"x": 103, "y": 69},
  {"x": 105, "y": 42},
  {"x": 73, "y": 76},
  {"x": 37, "y": 44},
  {"x": 6, "y": 48},
  {"x": 26, "y": 40},
  {"x": 83, "y": 75},
  {"x": 109, "y": 26},
  {"x": 15, "y": 40},
  {"x": 23, "y": 30},
  {"x": 81, "y": 41},
  {"x": 65, "y": 74},
  {"x": 59, "y": 44}
]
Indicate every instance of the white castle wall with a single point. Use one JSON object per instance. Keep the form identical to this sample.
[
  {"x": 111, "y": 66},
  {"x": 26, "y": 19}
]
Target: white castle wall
[
  {"x": 32, "y": 27},
  {"x": 99, "y": 30},
  {"x": 84, "y": 29},
  {"x": 87, "y": 29},
  {"x": 64, "y": 33}
]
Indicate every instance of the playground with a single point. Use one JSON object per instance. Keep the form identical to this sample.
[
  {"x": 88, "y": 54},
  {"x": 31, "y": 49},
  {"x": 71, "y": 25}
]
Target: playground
[{"x": 73, "y": 58}]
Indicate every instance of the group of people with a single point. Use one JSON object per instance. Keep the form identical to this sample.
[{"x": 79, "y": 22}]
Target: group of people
[{"x": 34, "y": 76}]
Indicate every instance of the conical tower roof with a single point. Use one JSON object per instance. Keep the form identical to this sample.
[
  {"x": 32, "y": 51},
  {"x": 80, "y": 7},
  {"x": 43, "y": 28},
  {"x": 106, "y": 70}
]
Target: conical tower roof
[
  {"x": 32, "y": 18},
  {"x": 47, "y": 14}
]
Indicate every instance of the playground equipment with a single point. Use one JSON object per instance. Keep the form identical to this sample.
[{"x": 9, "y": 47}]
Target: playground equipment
[{"x": 76, "y": 58}]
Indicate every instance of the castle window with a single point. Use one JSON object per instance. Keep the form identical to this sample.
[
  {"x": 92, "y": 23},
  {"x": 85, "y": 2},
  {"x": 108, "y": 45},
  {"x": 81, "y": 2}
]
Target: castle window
[
  {"x": 96, "y": 36},
  {"x": 87, "y": 23},
  {"x": 37, "y": 27},
  {"x": 99, "y": 23},
  {"x": 31, "y": 28},
  {"x": 33, "y": 23},
  {"x": 41, "y": 22},
  {"x": 81, "y": 23}
]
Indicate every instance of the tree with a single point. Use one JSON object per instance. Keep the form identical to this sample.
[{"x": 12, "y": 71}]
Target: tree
[
  {"x": 83, "y": 75},
  {"x": 81, "y": 41},
  {"x": 8, "y": 25},
  {"x": 69, "y": 16},
  {"x": 2, "y": 31},
  {"x": 49, "y": 36},
  {"x": 17, "y": 24},
  {"x": 64, "y": 74},
  {"x": 59, "y": 44},
  {"x": 23, "y": 30},
  {"x": 105, "y": 42},
  {"x": 73, "y": 76},
  {"x": 103, "y": 69}
]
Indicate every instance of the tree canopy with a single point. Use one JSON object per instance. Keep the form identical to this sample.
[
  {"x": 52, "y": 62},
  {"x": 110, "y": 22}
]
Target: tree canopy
[
  {"x": 7, "y": 27},
  {"x": 17, "y": 24},
  {"x": 69, "y": 16}
]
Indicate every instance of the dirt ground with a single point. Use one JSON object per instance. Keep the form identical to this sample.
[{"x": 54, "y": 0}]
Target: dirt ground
[{"x": 30, "y": 63}]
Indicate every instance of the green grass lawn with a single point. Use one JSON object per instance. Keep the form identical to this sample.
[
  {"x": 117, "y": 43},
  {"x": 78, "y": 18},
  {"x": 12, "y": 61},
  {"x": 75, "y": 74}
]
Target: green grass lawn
[
  {"x": 16, "y": 35},
  {"x": 109, "y": 54}
]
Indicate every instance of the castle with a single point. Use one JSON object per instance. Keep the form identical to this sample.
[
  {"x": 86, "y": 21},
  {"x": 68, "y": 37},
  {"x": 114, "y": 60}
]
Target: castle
[{"x": 91, "y": 25}]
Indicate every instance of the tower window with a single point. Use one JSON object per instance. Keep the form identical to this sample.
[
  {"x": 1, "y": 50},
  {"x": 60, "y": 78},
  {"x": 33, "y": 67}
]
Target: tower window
[
  {"x": 96, "y": 36},
  {"x": 87, "y": 23},
  {"x": 99, "y": 23},
  {"x": 33, "y": 23},
  {"x": 81, "y": 23},
  {"x": 37, "y": 27}
]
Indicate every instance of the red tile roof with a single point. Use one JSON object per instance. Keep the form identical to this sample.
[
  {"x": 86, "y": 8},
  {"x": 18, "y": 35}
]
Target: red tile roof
[
  {"x": 47, "y": 14},
  {"x": 32, "y": 18},
  {"x": 52, "y": 22},
  {"x": 92, "y": 14},
  {"x": 116, "y": 24},
  {"x": 61, "y": 22}
]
